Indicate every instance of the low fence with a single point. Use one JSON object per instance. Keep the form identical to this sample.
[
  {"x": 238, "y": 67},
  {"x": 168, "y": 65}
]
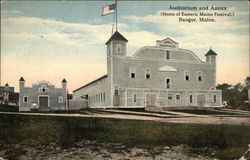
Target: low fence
[{"x": 77, "y": 104}]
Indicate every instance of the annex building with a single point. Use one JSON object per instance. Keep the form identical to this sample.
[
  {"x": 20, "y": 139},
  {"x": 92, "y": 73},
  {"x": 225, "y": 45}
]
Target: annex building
[
  {"x": 162, "y": 75},
  {"x": 42, "y": 96},
  {"x": 8, "y": 96}
]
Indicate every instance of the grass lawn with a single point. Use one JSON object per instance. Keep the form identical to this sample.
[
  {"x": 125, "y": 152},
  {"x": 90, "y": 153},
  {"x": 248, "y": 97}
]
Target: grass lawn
[{"x": 228, "y": 142}]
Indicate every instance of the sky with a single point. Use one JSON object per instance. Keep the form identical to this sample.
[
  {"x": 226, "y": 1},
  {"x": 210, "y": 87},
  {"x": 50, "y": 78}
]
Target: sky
[{"x": 52, "y": 40}]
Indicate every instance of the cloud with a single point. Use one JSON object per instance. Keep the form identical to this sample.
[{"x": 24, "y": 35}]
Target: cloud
[
  {"x": 48, "y": 49},
  {"x": 228, "y": 37},
  {"x": 13, "y": 12}
]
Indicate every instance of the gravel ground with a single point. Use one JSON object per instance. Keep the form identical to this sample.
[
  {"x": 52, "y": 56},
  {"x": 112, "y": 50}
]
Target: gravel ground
[{"x": 91, "y": 150}]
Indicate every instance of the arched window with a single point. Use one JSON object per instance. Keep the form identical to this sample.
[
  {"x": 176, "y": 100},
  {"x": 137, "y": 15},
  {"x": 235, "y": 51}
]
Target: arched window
[
  {"x": 147, "y": 73},
  {"x": 187, "y": 75},
  {"x": 199, "y": 76},
  {"x": 132, "y": 72},
  {"x": 167, "y": 83}
]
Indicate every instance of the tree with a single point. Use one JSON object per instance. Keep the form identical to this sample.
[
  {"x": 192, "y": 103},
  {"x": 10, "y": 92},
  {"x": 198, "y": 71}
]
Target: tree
[
  {"x": 247, "y": 82},
  {"x": 235, "y": 95}
]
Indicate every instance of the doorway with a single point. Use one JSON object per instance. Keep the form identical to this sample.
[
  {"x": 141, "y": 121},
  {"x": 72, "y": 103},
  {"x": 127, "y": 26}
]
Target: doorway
[
  {"x": 151, "y": 100},
  {"x": 201, "y": 100}
]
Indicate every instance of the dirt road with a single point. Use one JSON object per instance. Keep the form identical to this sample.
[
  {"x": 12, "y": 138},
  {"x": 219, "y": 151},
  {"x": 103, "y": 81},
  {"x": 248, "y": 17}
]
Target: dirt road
[{"x": 167, "y": 116}]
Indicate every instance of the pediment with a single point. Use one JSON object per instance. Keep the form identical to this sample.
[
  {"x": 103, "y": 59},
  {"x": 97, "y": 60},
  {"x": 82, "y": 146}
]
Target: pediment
[
  {"x": 167, "y": 69},
  {"x": 167, "y": 42}
]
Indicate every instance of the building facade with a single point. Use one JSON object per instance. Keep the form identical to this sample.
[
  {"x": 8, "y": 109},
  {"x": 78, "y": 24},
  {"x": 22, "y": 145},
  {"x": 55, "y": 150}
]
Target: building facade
[
  {"x": 8, "y": 96},
  {"x": 42, "y": 96},
  {"x": 163, "y": 75}
]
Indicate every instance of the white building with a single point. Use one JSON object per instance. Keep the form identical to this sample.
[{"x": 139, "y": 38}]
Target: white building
[
  {"x": 42, "y": 96},
  {"x": 162, "y": 75}
]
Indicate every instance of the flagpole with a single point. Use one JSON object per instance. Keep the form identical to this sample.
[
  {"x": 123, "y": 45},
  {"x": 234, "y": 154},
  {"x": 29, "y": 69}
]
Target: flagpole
[
  {"x": 116, "y": 14},
  {"x": 113, "y": 25}
]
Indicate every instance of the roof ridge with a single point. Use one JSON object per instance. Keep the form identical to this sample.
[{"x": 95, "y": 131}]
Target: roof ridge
[{"x": 116, "y": 36}]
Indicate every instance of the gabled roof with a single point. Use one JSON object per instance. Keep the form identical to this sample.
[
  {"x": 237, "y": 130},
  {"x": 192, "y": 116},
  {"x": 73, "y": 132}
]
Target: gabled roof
[
  {"x": 98, "y": 79},
  {"x": 21, "y": 79},
  {"x": 211, "y": 52},
  {"x": 116, "y": 36}
]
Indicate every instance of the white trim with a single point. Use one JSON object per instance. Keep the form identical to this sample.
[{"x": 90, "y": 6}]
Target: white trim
[
  {"x": 167, "y": 48},
  {"x": 126, "y": 97},
  {"x": 167, "y": 68},
  {"x": 161, "y": 60},
  {"x": 27, "y": 99},
  {"x": 44, "y": 96},
  {"x": 111, "y": 75},
  {"x": 145, "y": 73}
]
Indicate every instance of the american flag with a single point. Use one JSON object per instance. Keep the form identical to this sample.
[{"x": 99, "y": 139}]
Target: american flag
[{"x": 108, "y": 9}]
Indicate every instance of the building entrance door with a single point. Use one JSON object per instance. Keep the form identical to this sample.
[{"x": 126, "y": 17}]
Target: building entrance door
[
  {"x": 43, "y": 101},
  {"x": 201, "y": 100},
  {"x": 151, "y": 100}
]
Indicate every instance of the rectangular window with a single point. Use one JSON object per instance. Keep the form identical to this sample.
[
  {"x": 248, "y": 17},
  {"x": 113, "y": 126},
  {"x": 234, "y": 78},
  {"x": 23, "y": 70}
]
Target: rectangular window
[
  {"x": 132, "y": 72},
  {"x": 190, "y": 98},
  {"x": 25, "y": 99},
  {"x": 119, "y": 48},
  {"x": 169, "y": 96},
  {"x": 147, "y": 73},
  {"x": 167, "y": 83},
  {"x": 104, "y": 96},
  {"x": 116, "y": 89},
  {"x": 214, "y": 98},
  {"x": 134, "y": 98},
  {"x": 60, "y": 99},
  {"x": 167, "y": 54},
  {"x": 177, "y": 98}
]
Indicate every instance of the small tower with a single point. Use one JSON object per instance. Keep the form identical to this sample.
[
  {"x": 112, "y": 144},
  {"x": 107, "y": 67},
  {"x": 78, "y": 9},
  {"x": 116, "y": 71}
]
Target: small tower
[
  {"x": 116, "y": 45},
  {"x": 211, "y": 56},
  {"x": 64, "y": 83},
  {"x": 6, "y": 86},
  {"x": 21, "y": 83}
]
